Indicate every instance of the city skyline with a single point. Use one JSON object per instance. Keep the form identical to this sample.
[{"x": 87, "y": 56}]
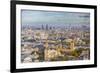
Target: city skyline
[{"x": 54, "y": 36}]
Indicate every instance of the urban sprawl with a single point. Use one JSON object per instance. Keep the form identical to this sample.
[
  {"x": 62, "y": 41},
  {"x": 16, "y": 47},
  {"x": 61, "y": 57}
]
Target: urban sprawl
[{"x": 51, "y": 43}]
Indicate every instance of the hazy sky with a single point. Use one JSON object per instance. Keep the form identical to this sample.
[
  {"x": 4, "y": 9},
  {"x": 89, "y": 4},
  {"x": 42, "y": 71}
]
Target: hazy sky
[{"x": 51, "y": 17}]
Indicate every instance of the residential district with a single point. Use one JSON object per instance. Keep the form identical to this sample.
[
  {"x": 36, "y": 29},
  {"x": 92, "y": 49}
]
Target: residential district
[{"x": 48, "y": 43}]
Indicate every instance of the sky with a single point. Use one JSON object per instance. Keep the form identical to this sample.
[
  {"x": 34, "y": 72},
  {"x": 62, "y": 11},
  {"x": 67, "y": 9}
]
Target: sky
[{"x": 32, "y": 17}]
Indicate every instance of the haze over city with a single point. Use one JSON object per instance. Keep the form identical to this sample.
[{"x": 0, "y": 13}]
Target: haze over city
[{"x": 33, "y": 17}]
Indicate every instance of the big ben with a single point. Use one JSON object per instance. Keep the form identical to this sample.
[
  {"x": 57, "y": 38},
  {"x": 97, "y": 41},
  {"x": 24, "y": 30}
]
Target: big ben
[{"x": 72, "y": 45}]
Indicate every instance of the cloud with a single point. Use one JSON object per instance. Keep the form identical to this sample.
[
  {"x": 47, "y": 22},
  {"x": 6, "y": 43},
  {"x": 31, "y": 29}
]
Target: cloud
[{"x": 51, "y": 17}]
